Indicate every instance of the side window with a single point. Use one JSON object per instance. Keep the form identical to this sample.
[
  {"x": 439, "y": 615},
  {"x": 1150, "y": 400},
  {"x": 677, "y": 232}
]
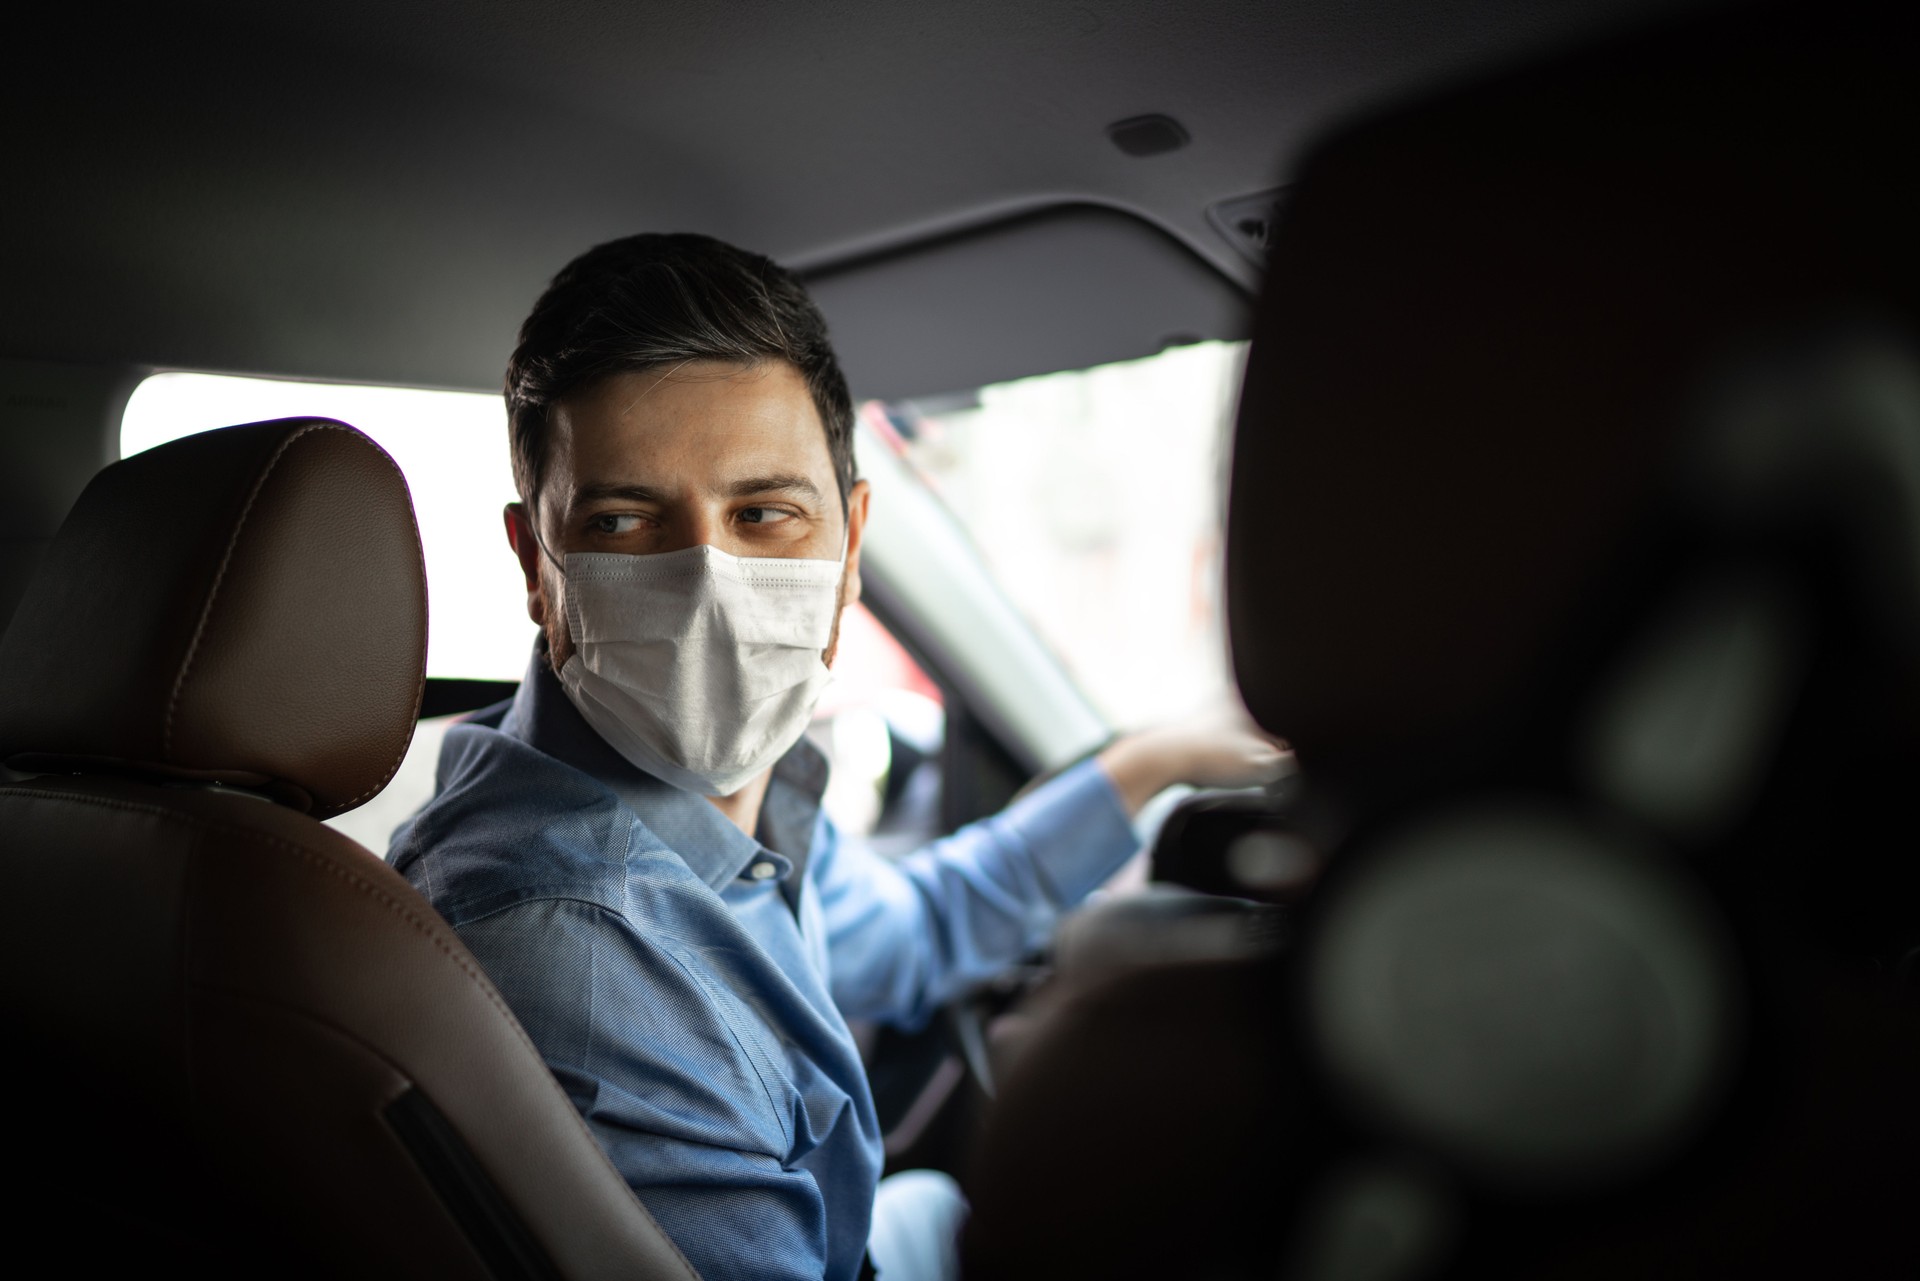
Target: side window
[{"x": 452, "y": 448}]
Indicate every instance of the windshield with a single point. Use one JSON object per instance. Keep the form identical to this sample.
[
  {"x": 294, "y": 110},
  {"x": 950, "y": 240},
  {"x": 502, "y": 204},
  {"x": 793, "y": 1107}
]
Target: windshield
[{"x": 1095, "y": 497}]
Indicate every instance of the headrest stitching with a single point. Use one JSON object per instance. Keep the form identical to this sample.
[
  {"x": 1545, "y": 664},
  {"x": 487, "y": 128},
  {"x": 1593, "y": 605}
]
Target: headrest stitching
[
  {"x": 420, "y": 686},
  {"x": 219, "y": 578}
]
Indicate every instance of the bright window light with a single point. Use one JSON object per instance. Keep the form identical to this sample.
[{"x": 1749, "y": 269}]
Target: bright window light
[
  {"x": 1096, "y": 498},
  {"x": 452, "y": 448}
]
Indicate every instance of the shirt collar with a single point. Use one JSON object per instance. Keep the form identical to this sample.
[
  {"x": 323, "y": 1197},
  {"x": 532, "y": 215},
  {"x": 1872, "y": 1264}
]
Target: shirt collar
[{"x": 543, "y": 717}]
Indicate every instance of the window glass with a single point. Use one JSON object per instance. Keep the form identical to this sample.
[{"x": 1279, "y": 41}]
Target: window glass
[
  {"x": 451, "y": 447},
  {"x": 1096, "y": 499}
]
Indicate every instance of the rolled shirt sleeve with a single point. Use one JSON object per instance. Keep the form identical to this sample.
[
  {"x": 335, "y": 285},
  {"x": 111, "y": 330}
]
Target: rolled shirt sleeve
[{"x": 904, "y": 938}]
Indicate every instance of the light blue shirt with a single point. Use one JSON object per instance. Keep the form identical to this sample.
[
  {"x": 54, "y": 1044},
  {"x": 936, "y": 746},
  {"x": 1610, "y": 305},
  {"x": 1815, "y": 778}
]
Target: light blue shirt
[{"x": 689, "y": 985}]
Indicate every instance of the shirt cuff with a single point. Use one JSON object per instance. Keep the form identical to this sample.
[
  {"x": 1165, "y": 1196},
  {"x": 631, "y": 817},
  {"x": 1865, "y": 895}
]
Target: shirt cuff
[{"x": 1076, "y": 830}]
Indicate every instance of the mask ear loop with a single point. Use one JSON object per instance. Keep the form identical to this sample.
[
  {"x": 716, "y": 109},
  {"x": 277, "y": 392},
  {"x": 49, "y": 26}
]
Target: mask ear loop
[
  {"x": 533, "y": 527},
  {"x": 533, "y": 524}
]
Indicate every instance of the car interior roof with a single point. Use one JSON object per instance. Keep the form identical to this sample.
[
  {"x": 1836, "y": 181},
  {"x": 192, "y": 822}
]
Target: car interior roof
[{"x": 369, "y": 192}]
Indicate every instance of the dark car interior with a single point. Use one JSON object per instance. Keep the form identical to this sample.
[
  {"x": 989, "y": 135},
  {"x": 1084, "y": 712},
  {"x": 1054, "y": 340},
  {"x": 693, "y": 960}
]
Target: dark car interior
[
  {"x": 1573, "y": 542},
  {"x": 1601, "y": 380}
]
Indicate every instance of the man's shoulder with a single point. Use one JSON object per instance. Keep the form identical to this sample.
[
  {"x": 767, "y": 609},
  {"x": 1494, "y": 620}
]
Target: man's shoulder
[{"x": 509, "y": 823}]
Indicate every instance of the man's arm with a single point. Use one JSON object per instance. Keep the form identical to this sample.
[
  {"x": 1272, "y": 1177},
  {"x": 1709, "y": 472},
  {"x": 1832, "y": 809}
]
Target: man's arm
[
  {"x": 1220, "y": 750},
  {"x": 672, "y": 1081},
  {"x": 906, "y": 937},
  {"x": 903, "y": 938}
]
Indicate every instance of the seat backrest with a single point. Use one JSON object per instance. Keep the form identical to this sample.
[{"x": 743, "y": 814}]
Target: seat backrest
[
  {"x": 1574, "y": 543},
  {"x": 239, "y": 1039}
]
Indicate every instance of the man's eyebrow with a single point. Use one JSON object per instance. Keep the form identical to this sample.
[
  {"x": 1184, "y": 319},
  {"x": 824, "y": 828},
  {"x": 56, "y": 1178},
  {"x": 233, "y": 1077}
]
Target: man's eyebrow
[
  {"x": 773, "y": 483},
  {"x": 616, "y": 490}
]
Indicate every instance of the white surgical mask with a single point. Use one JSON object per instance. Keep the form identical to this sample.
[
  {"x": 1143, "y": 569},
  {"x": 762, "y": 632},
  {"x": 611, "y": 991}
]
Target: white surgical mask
[{"x": 699, "y": 667}]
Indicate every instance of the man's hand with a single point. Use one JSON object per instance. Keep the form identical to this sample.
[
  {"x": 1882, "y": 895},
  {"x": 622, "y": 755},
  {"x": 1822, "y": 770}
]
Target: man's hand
[{"x": 1216, "y": 750}]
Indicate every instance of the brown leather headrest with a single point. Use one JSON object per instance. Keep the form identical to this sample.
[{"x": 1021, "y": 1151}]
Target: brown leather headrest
[
  {"x": 1485, "y": 320},
  {"x": 245, "y": 606}
]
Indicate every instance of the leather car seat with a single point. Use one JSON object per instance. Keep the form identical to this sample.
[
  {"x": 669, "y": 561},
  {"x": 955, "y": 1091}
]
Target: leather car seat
[
  {"x": 238, "y": 1041},
  {"x": 1574, "y": 544}
]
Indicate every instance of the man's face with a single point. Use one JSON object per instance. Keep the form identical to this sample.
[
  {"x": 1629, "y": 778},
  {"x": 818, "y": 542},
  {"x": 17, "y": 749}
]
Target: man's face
[{"x": 659, "y": 460}]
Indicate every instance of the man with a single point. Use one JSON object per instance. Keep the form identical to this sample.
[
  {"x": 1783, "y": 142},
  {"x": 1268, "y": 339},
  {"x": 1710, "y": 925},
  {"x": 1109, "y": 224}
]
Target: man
[{"x": 633, "y": 846}]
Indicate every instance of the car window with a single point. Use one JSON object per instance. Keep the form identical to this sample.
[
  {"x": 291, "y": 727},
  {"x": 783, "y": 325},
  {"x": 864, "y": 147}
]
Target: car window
[
  {"x": 452, "y": 448},
  {"x": 1095, "y": 497}
]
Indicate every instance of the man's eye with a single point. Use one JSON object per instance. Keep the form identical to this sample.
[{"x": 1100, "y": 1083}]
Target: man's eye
[
  {"x": 615, "y": 523},
  {"x": 764, "y": 515}
]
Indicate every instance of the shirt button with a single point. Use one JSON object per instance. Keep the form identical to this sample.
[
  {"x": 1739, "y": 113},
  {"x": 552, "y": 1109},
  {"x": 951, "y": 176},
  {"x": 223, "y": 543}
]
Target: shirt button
[{"x": 762, "y": 870}]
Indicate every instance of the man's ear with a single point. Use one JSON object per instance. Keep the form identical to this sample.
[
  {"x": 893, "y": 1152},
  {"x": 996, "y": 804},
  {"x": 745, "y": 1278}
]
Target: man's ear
[
  {"x": 856, "y": 528},
  {"x": 526, "y": 548}
]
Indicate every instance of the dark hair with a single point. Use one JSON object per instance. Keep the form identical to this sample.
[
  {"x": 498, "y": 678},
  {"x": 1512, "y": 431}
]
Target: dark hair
[{"x": 650, "y": 300}]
